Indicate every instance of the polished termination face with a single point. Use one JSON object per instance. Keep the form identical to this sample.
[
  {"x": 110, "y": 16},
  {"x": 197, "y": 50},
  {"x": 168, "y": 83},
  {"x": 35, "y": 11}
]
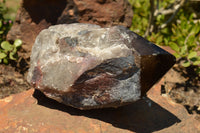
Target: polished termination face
[{"x": 86, "y": 66}]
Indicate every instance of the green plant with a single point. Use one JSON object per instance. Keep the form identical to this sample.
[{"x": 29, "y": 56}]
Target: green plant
[
  {"x": 172, "y": 23},
  {"x": 140, "y": 17},
  {"x": 9, "y": 51},
  {"x": 4, "y": 23},
  {"x": 184, "y": 41}
]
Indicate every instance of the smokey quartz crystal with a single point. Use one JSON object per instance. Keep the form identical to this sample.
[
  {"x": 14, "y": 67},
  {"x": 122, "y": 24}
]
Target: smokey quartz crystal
[{"x": 86, "y": 66}]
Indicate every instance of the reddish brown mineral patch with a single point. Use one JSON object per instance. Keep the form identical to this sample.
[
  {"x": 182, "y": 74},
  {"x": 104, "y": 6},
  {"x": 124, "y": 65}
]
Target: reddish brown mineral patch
[{"x": 37, "y": 76}]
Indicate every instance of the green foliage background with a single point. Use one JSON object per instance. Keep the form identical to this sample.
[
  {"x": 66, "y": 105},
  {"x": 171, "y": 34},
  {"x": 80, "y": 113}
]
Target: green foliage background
[
  {"x": 182, "y": 34},
  {"x": 8, "y": 51}
]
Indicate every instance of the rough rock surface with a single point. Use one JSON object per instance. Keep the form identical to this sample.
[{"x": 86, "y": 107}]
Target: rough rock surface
[
  {"x": 86, "y": 66},
  {"x": 36, "y": 15},
  {"x": 24, "y": 113}
]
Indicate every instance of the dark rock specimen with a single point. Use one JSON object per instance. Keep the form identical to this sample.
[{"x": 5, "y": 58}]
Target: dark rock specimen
[
  {"x": 86, "y": 66},
  {"x": 36, "y": 15}
]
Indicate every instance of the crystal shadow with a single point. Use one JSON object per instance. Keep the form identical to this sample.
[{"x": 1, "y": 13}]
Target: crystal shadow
[{"x": 136, "y": 117}]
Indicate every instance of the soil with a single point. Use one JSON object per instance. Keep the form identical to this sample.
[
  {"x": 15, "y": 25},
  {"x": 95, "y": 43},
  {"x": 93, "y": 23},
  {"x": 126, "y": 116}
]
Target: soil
[
  {"x": 11, "y": 81},
  {"x": 182, "y": 85}
]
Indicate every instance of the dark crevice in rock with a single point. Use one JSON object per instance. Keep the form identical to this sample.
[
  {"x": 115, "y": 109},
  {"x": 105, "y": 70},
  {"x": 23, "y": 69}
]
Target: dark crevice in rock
[
  {"x": 45, "y": 8},
  {"x": 119, "y": 68}
]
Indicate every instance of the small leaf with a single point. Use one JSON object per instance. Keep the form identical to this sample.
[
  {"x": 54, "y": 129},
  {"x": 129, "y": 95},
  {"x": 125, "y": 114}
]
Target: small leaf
[
  {"x": 0, "y": 60},
  {"x": 17, "y": 43},
  {"x": 14, "y": 51},
  {"x": 166, "y": 41},
  {"x": 192, "y": 55},
  {"x": 194, "y": 59},
  {"x": 159, "y": 17},
  {"x": 11, "y": 56},
  {"x": 0, "y": 23},
  {"x": 174, "y": 46},
  {"x": 196, "y": 62},
  {"x": 183, "y": 50},
  {"x": 159, "y": 39},
  {"x": 191, "y": 40},
  {"x": 174, "y": 27},
  {"x": 6, "y": 45},
  {"x": 197, "y": 29},
  {"x": 164, "y": 31},
  {"x": 173, "y": 31},
  {"x": 177, "y": 55},
  {"x": 186, "y": 64},
  {"x": 191, "y": 16},
  {"x": 5, "y": 61},
  {"x": 2, "y": 55},
  {"x": 1, "y": 32}
]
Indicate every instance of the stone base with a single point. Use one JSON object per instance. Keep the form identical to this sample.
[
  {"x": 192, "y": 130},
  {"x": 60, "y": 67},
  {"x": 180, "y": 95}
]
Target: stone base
[{"x": 31, "y": 111}]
